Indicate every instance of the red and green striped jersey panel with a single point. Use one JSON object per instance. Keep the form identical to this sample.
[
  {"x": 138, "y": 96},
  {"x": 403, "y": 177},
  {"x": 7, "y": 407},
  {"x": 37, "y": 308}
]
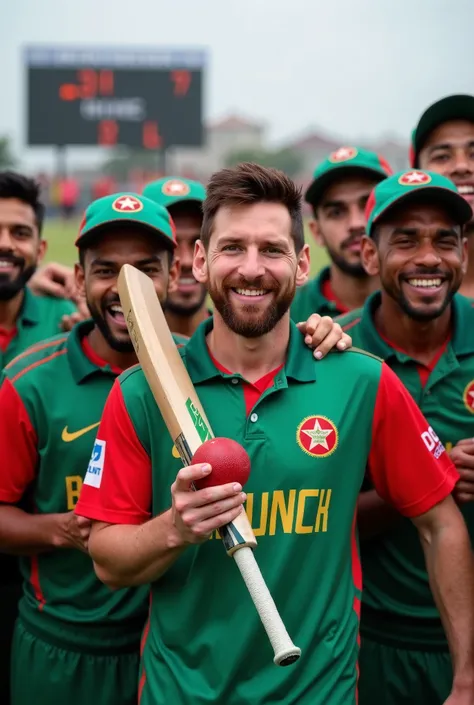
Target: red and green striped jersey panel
[{"x": 51, "y": 402}]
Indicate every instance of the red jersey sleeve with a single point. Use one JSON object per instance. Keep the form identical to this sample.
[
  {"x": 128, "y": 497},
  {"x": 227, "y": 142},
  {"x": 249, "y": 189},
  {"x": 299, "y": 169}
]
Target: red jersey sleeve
[
  {"x": 408, "y": 464},
  {"x": 18, "y": 445},
  {"x": 117, "y": 484}
]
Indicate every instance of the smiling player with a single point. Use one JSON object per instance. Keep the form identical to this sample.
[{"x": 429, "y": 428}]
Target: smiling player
[
  {"x": 75, "y": 641},
  {"x": 425, "y": 332},
  {"x": 24, "y": 319},
  {"x": 310, "y": 429}
]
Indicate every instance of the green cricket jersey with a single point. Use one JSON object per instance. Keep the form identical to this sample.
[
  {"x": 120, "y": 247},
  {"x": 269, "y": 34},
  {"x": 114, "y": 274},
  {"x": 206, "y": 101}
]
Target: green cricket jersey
[
  {"x": 309, "y": 428},
  {"x": 316, "y": 297},
  {"x": 51, "y": 400},
  {"x": 39, "y": 318},
  {"x": 395, "y": 579}
]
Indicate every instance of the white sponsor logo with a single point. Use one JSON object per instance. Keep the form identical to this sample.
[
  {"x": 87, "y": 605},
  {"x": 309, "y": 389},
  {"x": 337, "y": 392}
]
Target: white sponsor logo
[
  {"x": 96, "y": 464},
  {"x": 432, "y": 442}
]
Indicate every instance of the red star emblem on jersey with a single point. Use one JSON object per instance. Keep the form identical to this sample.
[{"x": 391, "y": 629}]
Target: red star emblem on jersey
[
  {"x": 469, "y": 396},
  {"x": 317, "y": 436},
  {"x": 127, "y": 204},
  {"x": 343, "y": 154},
  {"x": 414, "y": 178},
  {"x": 175, "y": 187}
]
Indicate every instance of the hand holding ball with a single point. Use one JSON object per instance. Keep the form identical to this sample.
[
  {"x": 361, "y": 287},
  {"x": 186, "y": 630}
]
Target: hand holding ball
[{"x": 229, "y": 461}]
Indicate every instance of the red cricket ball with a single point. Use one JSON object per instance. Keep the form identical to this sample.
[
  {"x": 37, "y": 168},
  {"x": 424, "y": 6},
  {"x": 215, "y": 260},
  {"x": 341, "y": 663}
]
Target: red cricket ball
[{"x": 229, "y": 461}]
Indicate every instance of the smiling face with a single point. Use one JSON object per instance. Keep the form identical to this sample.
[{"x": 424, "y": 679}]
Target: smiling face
[
  {"x": 420, "y": 255},
  {"x": 449, "y": 150},
  {"x": 340, "y": 222},
  {"x": 21, "y": 248},
  {"x": 97, "y": 278},
  {"x": 251, "y": 267}
]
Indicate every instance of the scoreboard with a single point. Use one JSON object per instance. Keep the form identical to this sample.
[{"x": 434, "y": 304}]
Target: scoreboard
[{"x": 141, "y": 98}]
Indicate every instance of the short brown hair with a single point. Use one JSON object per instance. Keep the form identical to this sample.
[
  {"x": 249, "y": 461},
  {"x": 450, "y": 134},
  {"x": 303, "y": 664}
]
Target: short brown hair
[{"x": 247, "y": 184}]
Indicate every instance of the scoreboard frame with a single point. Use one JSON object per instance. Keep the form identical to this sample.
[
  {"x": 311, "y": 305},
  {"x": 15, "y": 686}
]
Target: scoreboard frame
[{"x": 141, "y": 98}]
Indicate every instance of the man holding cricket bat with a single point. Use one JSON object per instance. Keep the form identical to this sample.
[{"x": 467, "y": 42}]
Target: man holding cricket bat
[{"x": 310, "y": 429}]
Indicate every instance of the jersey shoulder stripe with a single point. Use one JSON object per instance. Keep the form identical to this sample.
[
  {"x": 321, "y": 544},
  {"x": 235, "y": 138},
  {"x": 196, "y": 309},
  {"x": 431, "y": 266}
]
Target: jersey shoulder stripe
[
  {"x": 129, "y": 373},
  {"x": 359, "y": 351},
  {"x": 36, "y": 356},
  {"x": 350, "y": 319},
  {"x": 37, "y": 347}
]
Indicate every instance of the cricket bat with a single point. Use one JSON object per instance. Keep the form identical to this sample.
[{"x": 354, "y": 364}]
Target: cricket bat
[{"x": 188, "y": 426}]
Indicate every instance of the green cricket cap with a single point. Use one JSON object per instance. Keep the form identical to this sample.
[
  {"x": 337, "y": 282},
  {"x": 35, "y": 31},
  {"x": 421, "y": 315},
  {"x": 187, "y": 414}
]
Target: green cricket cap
[
  {"x": 172, "y": 189},
  {"x": 452, "y": 107},
  {"x": 345, "y": 161},
  {"x": 407, "y": 187},
  {"x": 126, "y": 208}
]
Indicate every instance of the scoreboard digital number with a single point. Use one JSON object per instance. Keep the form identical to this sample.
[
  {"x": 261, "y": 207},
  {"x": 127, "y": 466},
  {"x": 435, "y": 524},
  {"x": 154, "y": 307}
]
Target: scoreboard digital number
[{"x": 147, "y": 99}]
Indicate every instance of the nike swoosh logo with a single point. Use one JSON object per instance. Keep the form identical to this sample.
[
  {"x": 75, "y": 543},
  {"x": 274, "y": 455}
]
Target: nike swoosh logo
[{"x": 68, "y": 437}]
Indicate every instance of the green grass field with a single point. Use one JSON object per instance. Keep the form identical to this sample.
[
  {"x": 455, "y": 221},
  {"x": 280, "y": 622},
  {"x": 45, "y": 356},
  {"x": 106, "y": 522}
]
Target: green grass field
[{"x": 60, "y": 237}]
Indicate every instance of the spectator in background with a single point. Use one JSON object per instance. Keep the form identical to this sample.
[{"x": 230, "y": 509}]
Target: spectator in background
[
  {"x": 103, "y": 186},
  {"x": 69, "y": 194}
]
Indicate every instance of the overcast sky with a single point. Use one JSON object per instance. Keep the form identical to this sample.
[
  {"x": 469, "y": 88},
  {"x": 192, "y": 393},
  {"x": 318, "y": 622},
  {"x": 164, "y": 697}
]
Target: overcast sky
[{"x": 354, "y": 68}]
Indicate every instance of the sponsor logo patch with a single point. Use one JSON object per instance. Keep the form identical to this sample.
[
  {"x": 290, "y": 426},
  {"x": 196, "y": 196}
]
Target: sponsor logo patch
[
  {"x": 432, "y": 442},
  {"x": 96, "y": 464}
]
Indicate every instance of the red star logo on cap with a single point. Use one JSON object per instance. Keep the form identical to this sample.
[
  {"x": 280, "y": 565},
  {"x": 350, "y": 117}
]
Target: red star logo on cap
[
  {"x": 175, "y": 187},
  {"x": 317, "y": 436},
  {"x": 414, "y": 178},
  {"x": 343, "y": 154},
  {"x": 127, "y": 204},
  {"x": 469, "y": 396}
]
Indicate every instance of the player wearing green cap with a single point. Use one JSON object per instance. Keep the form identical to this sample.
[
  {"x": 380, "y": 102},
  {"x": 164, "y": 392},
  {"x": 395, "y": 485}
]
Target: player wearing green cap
[
  {"x": 310, "y": 429},
  {"x": 186, "y": 307},
  {"x": 443, "y": 141},
  {"x": 75, "y": 641},
  {"x": 24, "y": 319},
  {"x": 425, "y": 332},
  {"x": 337, "y": 196}
]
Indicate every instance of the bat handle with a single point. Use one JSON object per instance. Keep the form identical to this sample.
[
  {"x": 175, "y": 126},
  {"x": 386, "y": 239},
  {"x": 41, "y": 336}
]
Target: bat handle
[{"x": 285, "y": 651}]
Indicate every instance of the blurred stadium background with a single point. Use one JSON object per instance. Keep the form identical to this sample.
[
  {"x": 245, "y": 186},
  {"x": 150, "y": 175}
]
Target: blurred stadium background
[{"x": 143, "y": 111}]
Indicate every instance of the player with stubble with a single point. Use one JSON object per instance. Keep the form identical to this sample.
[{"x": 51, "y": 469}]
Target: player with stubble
[
  {"x": 75, "y": 641},
  {"x": 310, "y": 429},
  {"x": 337, "y": 196},
  {"x": 25, "y": 319},
  {"x": 424, "y": 330}
]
